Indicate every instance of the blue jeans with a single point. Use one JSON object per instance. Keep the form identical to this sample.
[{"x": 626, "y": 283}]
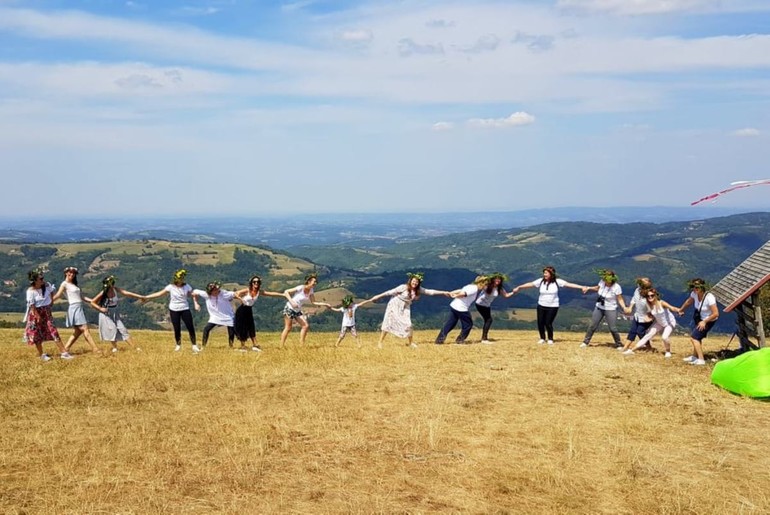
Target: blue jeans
[{"x": 466, "y": 324}]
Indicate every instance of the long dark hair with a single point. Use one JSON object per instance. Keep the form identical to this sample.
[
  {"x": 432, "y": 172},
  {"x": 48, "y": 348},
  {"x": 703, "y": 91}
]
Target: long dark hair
[
  {"x": 107, "y": 284},
  {"x": 552, "y": 272},
  {"x": 414, "y": 293},
  {"x": 258, "y": 280}
]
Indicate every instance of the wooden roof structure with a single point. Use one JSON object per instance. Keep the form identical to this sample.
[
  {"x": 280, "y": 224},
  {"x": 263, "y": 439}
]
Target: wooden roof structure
[{"x": 746, "y": 279}]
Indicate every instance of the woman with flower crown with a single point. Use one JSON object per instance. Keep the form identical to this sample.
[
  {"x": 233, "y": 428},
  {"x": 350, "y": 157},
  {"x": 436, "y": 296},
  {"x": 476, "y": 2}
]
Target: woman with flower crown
[
  {"x": 295, "y": 298},
  {"x": 610, "y": 295},
  {"x": 244, "y": 315},
  {"x": 398, "y": 313},
  {"x": 179, "y": 308},
  {"x": 76, "y": 315},
  {"x": 111, "y": 327},
  {"x": 40, "y": 326}
]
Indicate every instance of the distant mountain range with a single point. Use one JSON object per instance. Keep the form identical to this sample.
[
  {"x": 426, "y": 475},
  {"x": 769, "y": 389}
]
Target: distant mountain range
[{"x": 362, "y": 230}]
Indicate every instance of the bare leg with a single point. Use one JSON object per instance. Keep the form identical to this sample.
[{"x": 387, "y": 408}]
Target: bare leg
[
  {"x": 286, "y": 329},
  {"x": 73, "y": 338},
  {"x": 304, "y": 328},
  {"x": 697, "y": 348},
  {"x": 382, "y": 338},
  {"x": 87, "y": 336}
]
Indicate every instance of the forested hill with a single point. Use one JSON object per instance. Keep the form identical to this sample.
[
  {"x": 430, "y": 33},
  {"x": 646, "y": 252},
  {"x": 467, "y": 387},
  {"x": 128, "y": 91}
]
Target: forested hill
[{"x": 669, "y": 253}]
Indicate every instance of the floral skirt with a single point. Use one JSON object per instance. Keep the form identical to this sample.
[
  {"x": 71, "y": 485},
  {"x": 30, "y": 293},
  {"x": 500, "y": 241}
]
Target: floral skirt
[{"x": 41, "y": 328}]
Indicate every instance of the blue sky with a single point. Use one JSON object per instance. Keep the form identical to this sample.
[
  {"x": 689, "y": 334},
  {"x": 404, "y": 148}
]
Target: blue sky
[{"x": 236, "y": 107}]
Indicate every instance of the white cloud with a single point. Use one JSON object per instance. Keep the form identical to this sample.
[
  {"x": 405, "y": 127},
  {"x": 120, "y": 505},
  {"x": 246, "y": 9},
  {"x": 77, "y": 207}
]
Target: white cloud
[
  {"x": 748, "y": 132},
  {"x": 517, "y": 119},
  {"x": 443, "y": 126},
  {"x": 637, "y": 7},
  {"x": 357, "y": 36}
]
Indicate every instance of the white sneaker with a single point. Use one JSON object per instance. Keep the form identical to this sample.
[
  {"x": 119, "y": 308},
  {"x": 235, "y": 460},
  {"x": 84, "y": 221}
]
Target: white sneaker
[
  {"x": 177, "y": 348},
  {"x": 583, "y": 345},
  {"x": 540, "y": 341},
  {"x": 66, "y": 355},
  {"x": 45, "y": 358},
  {"x": 486, "y": 342},
  {"x": 256, "y": 349},
  {"x": 114, "y": 349},
  {"x": 628, "y": 352},
  {"x": 550, "y": 342},
  {"x": 700, "y": 362},
  {"x": 667, "y": 355},
  {"x": 196, "y": 349},
  {"x": 689, "y": 359},
  {"x": 413, "y": 345},
  {"x": 619, "y": 348}
]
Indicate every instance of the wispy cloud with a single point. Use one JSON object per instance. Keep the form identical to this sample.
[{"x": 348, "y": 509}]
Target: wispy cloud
[
  {"x": 641, "y": 7},
  {"x": 748, "y": 132},
  {"x": 359, "y": 36},
  {"x": 407, "y": 47},
  {"x": 485, "y": 43},
  {"x": 443, "y": 126},
  {"x": 516, "y": 119}
]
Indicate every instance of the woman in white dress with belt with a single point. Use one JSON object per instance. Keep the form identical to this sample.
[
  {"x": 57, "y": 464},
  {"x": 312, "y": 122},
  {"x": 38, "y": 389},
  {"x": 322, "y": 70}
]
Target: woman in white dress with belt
[{"x": 398, "y": 314}]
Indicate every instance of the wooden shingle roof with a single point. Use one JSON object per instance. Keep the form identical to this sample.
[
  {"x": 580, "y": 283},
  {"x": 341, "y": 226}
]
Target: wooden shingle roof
[{"x": 747, "y": 278}]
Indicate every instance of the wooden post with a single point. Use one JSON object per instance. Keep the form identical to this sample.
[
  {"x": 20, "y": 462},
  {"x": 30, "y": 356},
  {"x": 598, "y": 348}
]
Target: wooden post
[{"x": 758, "y": 320}]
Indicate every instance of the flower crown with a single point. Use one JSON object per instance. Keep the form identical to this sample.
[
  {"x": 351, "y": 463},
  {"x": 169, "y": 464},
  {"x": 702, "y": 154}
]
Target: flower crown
[
  {"x": 71, "y": 269},
  {"x": 347, "y": 300},
  {"x": 311, "y": 276},
  {"x": 498, "y": 275},
  {"x": 416, "y": 275},
  {"x": 33, "y": 274},
  {"x": 699, "y": 284},
  {"x": 607, "y": 275},
  {"x": 108, "y": 281},
  {"x": 180, "y": 274},
  {"x": 213, "y": 285}
]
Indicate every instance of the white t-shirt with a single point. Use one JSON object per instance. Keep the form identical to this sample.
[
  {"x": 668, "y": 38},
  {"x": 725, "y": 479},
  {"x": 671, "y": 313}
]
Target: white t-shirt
[
  {"x": 549, "y": 292},
  {"x": 349, "y": 315},
  {"x": 463, "y": 304},
  {"x": 178, "y": 297},
  {"x": 663, "y": 317},
  {"x": 704, "y": 307},
  {"x": 641, "y": 308},
  {"x": 486, "y": 299},
  {"x": 610, "y": 294},
  {"x": 219, "y": 306}
]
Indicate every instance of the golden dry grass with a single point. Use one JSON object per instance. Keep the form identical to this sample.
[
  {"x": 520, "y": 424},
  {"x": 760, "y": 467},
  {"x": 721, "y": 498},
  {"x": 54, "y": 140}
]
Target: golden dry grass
[{"x": 509, "y": 427}]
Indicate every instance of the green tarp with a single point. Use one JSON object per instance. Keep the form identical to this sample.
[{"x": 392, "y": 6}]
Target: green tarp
[{"x": 747, "y": 374}]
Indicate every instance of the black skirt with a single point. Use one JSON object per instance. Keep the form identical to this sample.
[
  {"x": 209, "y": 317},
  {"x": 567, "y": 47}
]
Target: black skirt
[{"x": 244, "y": 323}]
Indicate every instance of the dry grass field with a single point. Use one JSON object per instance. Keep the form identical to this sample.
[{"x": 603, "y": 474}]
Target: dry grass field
[{"x": 511, "y": 427}]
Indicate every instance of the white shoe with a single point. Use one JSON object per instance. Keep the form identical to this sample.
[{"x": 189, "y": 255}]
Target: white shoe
[
  {"x": 486, "y": 342},
  {"x": 177, "y": 348},
  {"x": 45, "y": 358},
  {"x": 619, "y": 348},
  {"x": 700, "y": 362},
  {"x": 689, "y": 359},
  {"x": 667, "y": 355},
  {"x": 413, "y": 345},
  {"x": 540, "y": 341},
  {"x": 583, "y": 345},
  {"x": 66, "y": 355},
  {"x": 196, "y": 349},
  {"x": 256, "y": 349},
  {"x": 550, "y": 342},
  {"x": 628, "y": 352},
  {"x": 114, "y": 349}
]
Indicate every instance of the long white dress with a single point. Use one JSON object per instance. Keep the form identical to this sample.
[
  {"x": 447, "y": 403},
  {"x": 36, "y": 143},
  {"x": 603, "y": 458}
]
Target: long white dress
[{"x": 398, "y": 314}]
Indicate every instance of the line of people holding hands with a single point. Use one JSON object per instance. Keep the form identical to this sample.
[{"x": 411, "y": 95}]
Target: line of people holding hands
[{"x": 650, "y": 314}]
